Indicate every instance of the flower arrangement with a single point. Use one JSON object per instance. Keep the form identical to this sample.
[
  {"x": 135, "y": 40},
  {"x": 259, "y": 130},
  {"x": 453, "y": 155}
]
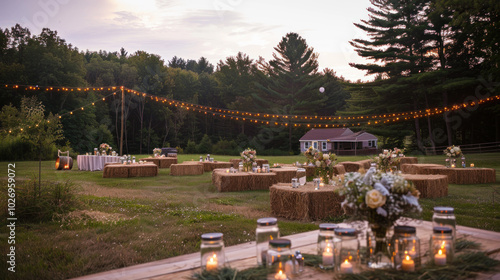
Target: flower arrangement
[
  {"x": 389, "y": 158},
  {"x": 452, "y": 151},
  {"x": 379, "y": 198},
  {"x": 156, "y": 151},
  {"x": 248, "y": 156},
  {"x": 324, "y": 163},
  {"x": 104, "y": 148}
]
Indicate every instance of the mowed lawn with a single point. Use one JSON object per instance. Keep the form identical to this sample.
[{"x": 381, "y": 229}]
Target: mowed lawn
[{"x": 125, "y": 221}]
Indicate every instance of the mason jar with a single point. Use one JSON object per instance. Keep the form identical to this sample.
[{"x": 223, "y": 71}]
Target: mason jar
[
  {"x": 267, "y": 229},
  {"x": 442, "y": 246},
  {"x": 445, "y": 217},
  {"x": 212, "y": 251},
  {"x": 326, "y": 245},
  {"x": 406, "y": 254},
  {"x": 347, "y": 253},
  {"x": 280, "y": 258},
  {"x": 301, "y": 173}
]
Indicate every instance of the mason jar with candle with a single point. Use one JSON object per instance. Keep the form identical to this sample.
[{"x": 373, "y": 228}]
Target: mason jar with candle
[
  {"x": 327, "y": 242},
  {"x": 406, "y": 254},
  {"x": 442, "y": 246},
  {"x": 280, "y": 258},
  {"x": 212, "y": 251},
  {"x": 445, "y": 217},
  {"x": 347, "y": 251},
  {"x": 267, "y": 229},
  {"x": 265, "y": 168},
  {"x": 301, "y": 173},
  {"x": 295, "y": 183}
]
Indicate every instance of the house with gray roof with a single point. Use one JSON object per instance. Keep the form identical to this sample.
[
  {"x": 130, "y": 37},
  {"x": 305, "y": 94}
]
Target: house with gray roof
[{"x": 341, "y": 141}]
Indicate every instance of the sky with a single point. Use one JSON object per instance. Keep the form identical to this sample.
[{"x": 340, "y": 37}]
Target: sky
[{"x": 190, "y": 29}]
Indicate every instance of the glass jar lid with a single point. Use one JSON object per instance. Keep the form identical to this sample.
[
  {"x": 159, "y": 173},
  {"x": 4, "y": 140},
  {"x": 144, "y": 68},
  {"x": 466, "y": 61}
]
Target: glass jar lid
[
  {"x": 404, "y": 229},
  {"x": 214, "y": 236},
  {"x": 280, "y": 243},
  {"x": 328, "y": 226},
  {"x": 444, "y": 210},
  {"x": 270, "y": 221},
  {"x": 345, "y": 232},
  {"x": 443, "y": 230}
]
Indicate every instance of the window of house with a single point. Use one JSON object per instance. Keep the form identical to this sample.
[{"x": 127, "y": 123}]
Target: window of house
[
  {"x": 306, "y": 145},
  {"x": 324, "y": 146},
  {"x": 370, "y": 143},
  {"x": 315, "y": 144}
]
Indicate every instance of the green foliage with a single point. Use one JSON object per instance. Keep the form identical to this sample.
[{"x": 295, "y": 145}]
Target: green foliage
[
  {"x": 190, "y": 147},
  {"x": 225, "y": 147},
  {"x": 54, "y": 198},
  {"x": 205, "y": 145}
]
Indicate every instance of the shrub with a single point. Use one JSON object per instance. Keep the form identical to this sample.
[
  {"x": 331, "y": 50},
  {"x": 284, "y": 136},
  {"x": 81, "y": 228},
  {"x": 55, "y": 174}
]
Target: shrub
[
  {"x": 205, "y": 146},
  {"x": 191, "y": 147},
  {"x": 41, "y": 204},
  {"x": 225, "y": 147}
]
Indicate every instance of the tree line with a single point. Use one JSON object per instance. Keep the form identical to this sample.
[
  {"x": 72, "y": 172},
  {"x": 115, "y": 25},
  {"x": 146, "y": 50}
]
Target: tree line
[{"x": 423, "y": 54}]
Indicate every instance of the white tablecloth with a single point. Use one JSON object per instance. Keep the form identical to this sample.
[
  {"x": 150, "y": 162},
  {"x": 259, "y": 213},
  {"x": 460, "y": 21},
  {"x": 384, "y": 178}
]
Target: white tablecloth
[{"x": 93, "y": 163}]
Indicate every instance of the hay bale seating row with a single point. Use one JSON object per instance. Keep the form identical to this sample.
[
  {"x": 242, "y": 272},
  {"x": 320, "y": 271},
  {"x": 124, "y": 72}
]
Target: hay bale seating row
[
  {"x": 305, "y": 203},
  {"x": 429, "y": 186},
  {"x": 130, "y": 170},
  {"x": 236, "y": 162},
  {"x": 210, "y": 166},
  {"x": 460, "y": 176}
]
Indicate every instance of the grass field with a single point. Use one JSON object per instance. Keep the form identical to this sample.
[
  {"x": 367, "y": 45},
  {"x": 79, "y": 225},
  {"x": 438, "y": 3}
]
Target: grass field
[{"x": 125, "y": 221}]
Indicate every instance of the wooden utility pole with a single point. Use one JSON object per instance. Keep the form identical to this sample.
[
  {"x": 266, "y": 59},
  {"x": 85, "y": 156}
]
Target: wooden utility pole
[{"x": 121, "y": 132}]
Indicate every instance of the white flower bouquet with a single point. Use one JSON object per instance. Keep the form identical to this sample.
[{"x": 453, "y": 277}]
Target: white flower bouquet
[
  {"x": 452, "y": 151},
  {"x": 379, "y": 198},
  {"x": 324, "y": 163},
  {"x": 248, "y": 156},
  {"x": 388, "y": 159}
]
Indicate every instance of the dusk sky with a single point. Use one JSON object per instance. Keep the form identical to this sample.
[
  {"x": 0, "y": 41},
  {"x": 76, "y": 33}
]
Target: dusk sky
[{"x": 190, "y": 29}]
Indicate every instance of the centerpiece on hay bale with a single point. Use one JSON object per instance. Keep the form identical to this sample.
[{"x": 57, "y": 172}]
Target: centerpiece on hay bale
[
  {"x": 380, "y": 199},
  {"x": 156, "y": 152},
  {"x": 452, "y": 152},
  {"x": 105, "y": 148},
  {"x": 389, "y": 159},
  {"x": 248, "y": 157},
  {"x": 324, "y": 163}
]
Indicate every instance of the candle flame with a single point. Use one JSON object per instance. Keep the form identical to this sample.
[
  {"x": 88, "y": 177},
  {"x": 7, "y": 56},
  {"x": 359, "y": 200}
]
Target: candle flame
[
  {"x": 327, "y": 249},
  {"x": 346, "y": 261},
  {"x": 440, "y": 252},
  {"x": 407, "y": 257}
]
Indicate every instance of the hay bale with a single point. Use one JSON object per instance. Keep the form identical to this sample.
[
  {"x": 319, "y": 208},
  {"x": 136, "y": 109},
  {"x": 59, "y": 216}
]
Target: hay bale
[
  {"x": 115, "y": 171},
  {"x": 167, "y": 161},
  {"x": 261, "y": 181},
  {"x": 351, "y": 166},
  {"x": 366, "y": 163},
  {"x": 210, "y": 166},
  {"x": 305, "y": 203},
  {"x": 142, "y": 170},
  {"x": 285, "y": 174},
  {"x": 260, "y": 162},
  {"x": 338, "y": 169},
  {"x": 408, "y": 160},
  {"x": 309, "y": 170},
  {"x": 230, "y": 182},
  {"x": 235, "y": 162},
  {"x": 418, "y": 168},
  {"x": 465, "y": 176},
  {"x": 186, "y": 168},
  {"x": 153, "y": 160},
  {"x": 429, "y": 186}
]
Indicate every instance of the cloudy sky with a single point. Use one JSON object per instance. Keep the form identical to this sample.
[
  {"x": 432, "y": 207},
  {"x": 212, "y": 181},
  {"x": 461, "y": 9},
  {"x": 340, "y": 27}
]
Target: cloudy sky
[{"x": 190, "y": 29}]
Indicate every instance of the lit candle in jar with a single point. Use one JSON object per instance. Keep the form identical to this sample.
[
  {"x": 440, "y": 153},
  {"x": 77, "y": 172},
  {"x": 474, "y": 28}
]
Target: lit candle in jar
[
  {"x": 472, "y": 165},
  {"x": 440, "y": 258},
  {"x": 280, "y": 275},
  {"x": 346, "y": 267},
  {"x": 321, "y": 184},
  {"x": 452, "y": 165},
  {"x": 212, "y": 262},
  {"x": 328, "y": 256},
  {"x": 227, "y": 170},
  {"x": 408, "y": 264}
]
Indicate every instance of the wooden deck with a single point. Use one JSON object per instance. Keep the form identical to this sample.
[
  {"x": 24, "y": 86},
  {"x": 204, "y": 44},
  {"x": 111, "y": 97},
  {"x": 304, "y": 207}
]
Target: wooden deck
[{"x": 243, "y": 256}]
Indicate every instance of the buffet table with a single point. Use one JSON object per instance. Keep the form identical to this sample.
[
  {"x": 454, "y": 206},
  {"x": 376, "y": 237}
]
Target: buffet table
[
  {"x": 304, "y": 202},
  {"x": 130, "y": 170},
  {"x": 94, "y": 163},
  {"x": 162, "y": 162}
]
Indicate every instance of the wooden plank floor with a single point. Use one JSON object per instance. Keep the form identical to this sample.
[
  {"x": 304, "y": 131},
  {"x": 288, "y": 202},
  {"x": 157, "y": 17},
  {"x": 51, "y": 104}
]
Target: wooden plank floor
[{"x": 243, "y": 256}]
